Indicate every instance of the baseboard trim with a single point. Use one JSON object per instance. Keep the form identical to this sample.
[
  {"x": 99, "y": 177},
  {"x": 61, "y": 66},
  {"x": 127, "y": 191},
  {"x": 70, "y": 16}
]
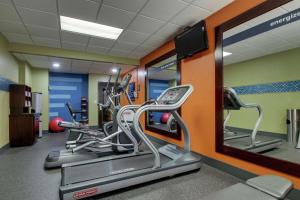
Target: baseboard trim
[{"x": 4, "y": 148}]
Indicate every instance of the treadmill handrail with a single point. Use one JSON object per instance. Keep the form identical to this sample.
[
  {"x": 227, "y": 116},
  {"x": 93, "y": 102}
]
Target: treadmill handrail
[
  {"x": 246, "y": 105},
  {"x": 126, "y": 130},
  {"x": 161, "y": 107}
]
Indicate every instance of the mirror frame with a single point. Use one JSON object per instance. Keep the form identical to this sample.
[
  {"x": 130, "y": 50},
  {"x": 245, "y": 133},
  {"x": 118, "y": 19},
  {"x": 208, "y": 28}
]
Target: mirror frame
[
  {"x": 171, "y": 53},
  {"x": 284, "y": 166}
]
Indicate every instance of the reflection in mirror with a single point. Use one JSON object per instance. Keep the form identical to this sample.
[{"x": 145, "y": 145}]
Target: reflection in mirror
[
  {"x": 262, "y": 84},
  {"x": 161, "y": 76}
]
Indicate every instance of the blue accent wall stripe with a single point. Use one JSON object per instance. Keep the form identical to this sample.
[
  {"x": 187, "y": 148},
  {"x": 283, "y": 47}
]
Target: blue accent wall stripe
[
  {"x": 53, "y": 114},
  {"x": 66, "y": 87},
  {"x": 56, "y": 105},
  {"x": 64, "y": 79},
  {"x": 277, "y": 87},
  {"x": 4, "y": 83},
  {"x": 264, "y": 27},
  {"x": 59, "y": 87},
  {"x": 60, "y": 96}
]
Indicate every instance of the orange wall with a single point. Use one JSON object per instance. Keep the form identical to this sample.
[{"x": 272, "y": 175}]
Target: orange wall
[{"x": 199, "y": 111}]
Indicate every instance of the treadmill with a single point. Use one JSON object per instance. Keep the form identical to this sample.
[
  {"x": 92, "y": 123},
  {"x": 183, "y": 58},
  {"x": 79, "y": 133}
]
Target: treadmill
[
  {"x": 88, "y": 178},
  {"x": 230, "y": 103},
  {"x": 250, "y": 142}
]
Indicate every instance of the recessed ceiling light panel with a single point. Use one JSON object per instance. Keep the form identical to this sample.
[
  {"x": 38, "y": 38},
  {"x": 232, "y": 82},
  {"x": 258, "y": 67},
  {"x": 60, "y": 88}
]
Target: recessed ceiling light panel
[
  {"x": 114, "y": 70},
  {"x": 56, "y": 65},
  {"x": 89, "y": 28}
]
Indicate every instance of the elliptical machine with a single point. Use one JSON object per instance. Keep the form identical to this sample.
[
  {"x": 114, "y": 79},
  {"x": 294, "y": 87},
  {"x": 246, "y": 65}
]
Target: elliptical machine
[{"x": 115, "y": 142}]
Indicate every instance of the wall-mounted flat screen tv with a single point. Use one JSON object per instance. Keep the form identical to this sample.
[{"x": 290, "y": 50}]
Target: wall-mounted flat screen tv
[{"x": 191, "y": 41}]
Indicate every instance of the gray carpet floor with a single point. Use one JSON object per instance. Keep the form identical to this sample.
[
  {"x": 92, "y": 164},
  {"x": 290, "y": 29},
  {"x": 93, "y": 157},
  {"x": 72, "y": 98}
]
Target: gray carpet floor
[{"x": 22, "y": 177}]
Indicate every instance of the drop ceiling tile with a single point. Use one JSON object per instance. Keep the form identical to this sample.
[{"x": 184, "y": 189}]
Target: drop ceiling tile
[
  {"x": 145, "y": 24},
  {"x": 292, "y": 5},
  {"x": 79, "y": 70},
  {"x": 43, "y": 32},
  {"x": 64, "y": 62},
  {"x": 97, "y": 1},
  {"x": 124, "y": 46},
  {"x": 97, "y": 49},
  {"x": 137, "y": 55},
  {"x": 18, "y": 38},
  {"x": 74, "y": 38},
  {"x": 119, "y": 53},
  {"x": 79, "y": 9},
  {"x": 38, "y": 18},
  {"x": 114, "y": 17},
  {"x": 62, "y": 69},
  {"x": 41, "y": 5},
  {"x": 73, "y": 46},
  {"x": 212, "y": 5},
  {"x": 265, "y": 17},
  {"x": 163, "y": 10},
  {"x": 101, "y": 65},
  {"x": 188, "y": 1},
  {"x": 133, "y": 37},
  {"x": 285, "y": 47},
  {"x": 264, "y": 41},
  {"x": 30, "y": 57},
  {"x": 154, "y": 41},
  {"x": 169, "y": 30},
  {"x": 6, "y": 2},
  {"x": 100, "y": 71},
  {"x": 12, "y": 27},
  {"x": 81, "y": 64},
  {"x": 41, "y": 41},
  {"x": 101, "y": 42},
  {"x": 20, "y": 56},
  {"x": 190, "y": 15},
  {"x": 143, "y": 49},
  {"x": 8, "y": 13},
  {"x": 129, "y": 5},
  {"x": 38, "y": 61}
]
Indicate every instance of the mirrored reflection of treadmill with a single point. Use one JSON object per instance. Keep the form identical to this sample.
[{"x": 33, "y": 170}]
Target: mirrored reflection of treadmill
[
  {"x": 250, "y": 142},
  {"x": 89, "y": 178}
]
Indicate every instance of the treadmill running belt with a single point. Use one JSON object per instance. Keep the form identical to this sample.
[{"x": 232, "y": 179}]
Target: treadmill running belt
[
  {"x": 243, "y": 143},
  {"x": 80, "y": 173}
]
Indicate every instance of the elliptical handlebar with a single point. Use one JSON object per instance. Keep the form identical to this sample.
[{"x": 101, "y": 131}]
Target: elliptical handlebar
[{"x": 117, "y": 79}]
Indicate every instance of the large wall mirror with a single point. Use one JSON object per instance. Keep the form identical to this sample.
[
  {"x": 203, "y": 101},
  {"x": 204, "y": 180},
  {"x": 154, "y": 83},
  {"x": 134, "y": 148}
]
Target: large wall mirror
[
  {"x": 259, "y": 89},
  {"x": 162, "y": 73}
]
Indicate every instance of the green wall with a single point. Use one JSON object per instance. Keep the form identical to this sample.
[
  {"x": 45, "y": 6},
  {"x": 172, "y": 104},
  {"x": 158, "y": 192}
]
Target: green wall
[
  {"x": 40, "y": 83},
  {"x": 278, "y": 67},
  {"x": 9, "y": 69},
  {"x": 93, "y": 96},
  {"x": 25, "y": 73}
]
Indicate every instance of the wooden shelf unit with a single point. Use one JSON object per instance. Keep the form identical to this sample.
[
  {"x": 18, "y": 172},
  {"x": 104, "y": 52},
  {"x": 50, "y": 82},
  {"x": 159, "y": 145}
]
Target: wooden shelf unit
[
  {"x": 84, "y": 109},
  {"x": 21, "y": 123}
]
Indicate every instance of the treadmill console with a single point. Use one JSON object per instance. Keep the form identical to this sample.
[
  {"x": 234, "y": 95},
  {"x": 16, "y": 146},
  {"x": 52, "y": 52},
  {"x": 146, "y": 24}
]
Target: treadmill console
[
  {"x": 173, "y": 95},
  {"x": 230, "y": 100}
]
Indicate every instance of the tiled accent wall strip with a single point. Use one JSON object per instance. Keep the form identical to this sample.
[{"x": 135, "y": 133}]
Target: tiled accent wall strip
[
  {"x": 278, "y": 87},
  {"x": 4, "y": 84}
]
